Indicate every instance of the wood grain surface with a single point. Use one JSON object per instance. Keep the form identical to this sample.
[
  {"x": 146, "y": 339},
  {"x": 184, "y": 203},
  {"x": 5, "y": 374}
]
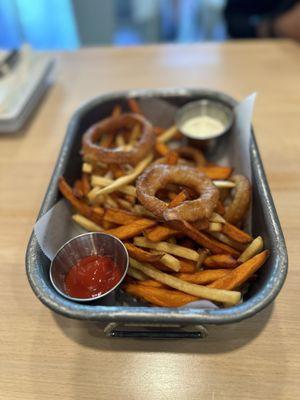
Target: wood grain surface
[{"x": 45, "y": 356}]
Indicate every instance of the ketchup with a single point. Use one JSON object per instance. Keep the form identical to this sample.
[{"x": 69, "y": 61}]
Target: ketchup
[{"x": 92, "y": 276}]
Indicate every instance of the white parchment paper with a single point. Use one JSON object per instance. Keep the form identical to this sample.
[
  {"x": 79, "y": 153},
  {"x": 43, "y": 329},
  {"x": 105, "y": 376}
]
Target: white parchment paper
[{"x": 56, "y": 226}]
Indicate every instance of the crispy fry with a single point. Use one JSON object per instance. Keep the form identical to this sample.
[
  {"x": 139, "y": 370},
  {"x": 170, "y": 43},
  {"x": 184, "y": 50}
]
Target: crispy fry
[
  {"x": 254, "y": 247},
  {"x": 124, "y": 180},
  {"x": 151, "y": 283},
  {"x": 216, "y": 171},
  {"x": 79, "y": 205},
  {"x": 204, "y": 240},
  {"x": 162, "y": 149},
  {"x": 167, "y": 135},
  {"x": 228, "y": 241},
  {"x": 203, "y": 277},
  {"x": 141, "y": 255},
  {"x": 223, "y": 296},
  {"x": 220, "y": 261},
  {"x": 102, "y": 181},
  {"x": 174, "y": 249},
  {"x": 140, "y": 210},
  {"x": 131, "y": 230},
  {"x": 108, "y": 225},
  {"x": 119, "y": 217},
  {"x": 133, "y": 106},
  {"x": 87, "y": 168},
  {"x": 120, "y": 141},
  {"x": 86, "y": 223},
  {"x": 236, "y": 234},
  {"x": 160, "y": 233},
  {"x": 159, "y": 296},
  {"x": 171, "y": 158},
  {"x": 203, "y": 253},
  {"x": 86, "y": 187},
  {"x": 78, "y": 189},
  {"x": 110, "y": 202},
  {"x": 134, "y": 134},
  {"x": 221, "y": 184},
  {"x": 117, "y": 170},
  {"x": 242, "y": 273},
  {"x": 138, "y": 275},
  {"x": 178, "y": 199},
  {"x": 170, "y": 261},
  {"x": 187, "y": 266},
  {"x": 215, "y": 227},
  {"x": 124, "y": 204},
  {"x": 116, "y": 111},
  {"x": 217, "y": 218}
]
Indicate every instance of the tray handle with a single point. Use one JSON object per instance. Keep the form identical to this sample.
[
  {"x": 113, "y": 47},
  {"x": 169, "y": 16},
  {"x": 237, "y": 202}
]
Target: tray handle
[{"x": 155, "y": 331}]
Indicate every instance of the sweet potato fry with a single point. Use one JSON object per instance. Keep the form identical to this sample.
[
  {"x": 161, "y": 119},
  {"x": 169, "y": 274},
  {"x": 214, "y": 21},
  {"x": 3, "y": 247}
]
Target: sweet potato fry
[
  {"x": 223, "y": 296},
  {"x": 216, "y": 171},
  {"x": 241, "y": 274},
  {"x": 159, "y": 296},
  {"x": 220, "y": 261},
  {"x": 133, "y": 106},
  {"x": 171, "y": 158},
  {"x": 203, "y": 277},
  {"x": 131, "y": 230},
  {"x": 152, "y": 283},
  {"x": 162, "y": 149},
  {"x": 119, "y": 217},
  {"x": 79, "y": 205},
  {"x": 117, "y": 170},
  {"x": 187, "y": 266},
  {"x": 142, "y": 255},
  {"x": 228, "y": 241},
  {"x": 220, "y": 209},
  {"x": 178, "y": 199},
  {"x": 236, "y": 234},
  {"x": 78, "y": 189},
  {"x": 160, "y": 233},
  {"x": 204, "y": 240},
  {"x": 116, "y": 111}
]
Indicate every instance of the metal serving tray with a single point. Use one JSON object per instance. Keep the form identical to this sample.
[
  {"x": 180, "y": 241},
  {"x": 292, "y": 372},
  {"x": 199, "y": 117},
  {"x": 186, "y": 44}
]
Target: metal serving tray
[{"x": 265, "y": 222}]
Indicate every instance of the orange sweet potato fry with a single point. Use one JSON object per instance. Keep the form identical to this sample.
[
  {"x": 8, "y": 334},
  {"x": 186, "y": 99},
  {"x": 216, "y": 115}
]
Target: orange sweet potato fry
[
  {"x": 159, "y": 296},
  {"x": 187, "y": 266},
  {"x": 241, "y": 274},
  {"x": 172, "y": 158},
  {"x": 160, "y": 233},
  {"x": 204, "y": 240},
  {"x": 142, "y": 255},
  {"x": 133, "y": 106},
  {"x": 220, "y": 261},
  {"x": 178, "y": 199},
  {"x": 203, "y": 277},
  {"x": 119, "y": 217},
  {"x": 162, "y": 149},
  {"x": 94, "y": 214},
  {"x": 216, "y": 171},
  {"x": 152, "y": 283},
  {"x": 133, "y": 229},
  {"x": 236, "y": 234}
]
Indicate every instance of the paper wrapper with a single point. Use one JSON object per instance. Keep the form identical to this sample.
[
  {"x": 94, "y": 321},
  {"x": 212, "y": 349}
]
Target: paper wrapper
[{"x": 56, "y": 227}]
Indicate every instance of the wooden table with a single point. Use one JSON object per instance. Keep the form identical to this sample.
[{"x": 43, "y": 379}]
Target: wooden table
[{"x": 44, "y": 355}]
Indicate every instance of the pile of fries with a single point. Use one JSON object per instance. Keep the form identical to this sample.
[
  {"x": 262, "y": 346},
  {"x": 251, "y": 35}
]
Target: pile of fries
[{"x": 169, "y": 266}]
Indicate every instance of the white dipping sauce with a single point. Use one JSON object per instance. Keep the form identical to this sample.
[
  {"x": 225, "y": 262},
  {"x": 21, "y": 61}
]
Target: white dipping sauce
[{"x": 202, "y": 127}]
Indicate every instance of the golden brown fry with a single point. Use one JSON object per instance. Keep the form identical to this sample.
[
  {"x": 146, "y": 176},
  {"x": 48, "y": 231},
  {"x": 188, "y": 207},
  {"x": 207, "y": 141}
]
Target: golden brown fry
[
  {"x": 87, "y": 168},
  {"x": 171, "y": 158},
  {"x": 215, "y": 227},
  {"x": 138, "y": 275},
  {"x": 222, "y": 296},
  {"x": 220, "y": 261},
  {"x": 152, "y": 283},
  {"x": 79, "y": 205},
  {"x": 119, "y": 217},
  {"x": 216, "y": 171},
  {"x": 222, "y": 184},
  {"x": 86, "y": 223},
  {"x": 187, "y": 266},
  {"x": 217, "y": 218},
  {"x": 86, "y": 186},
  {"x": 167, "y": 135},
  {"x": 131, "y": 230},
  {"x": 160, "y": 233},
  {"x": 254, "y": 247},
  {"x": 162, "y": 149},
  {"x": 102, "y": 181},
  {"x": 133, "y": 106},
  {"x": 236, "y": 234},
  {"x": 203, "y": 277},
  {"x": 179, "y": 198},
  {"x": 159, "y": 296},
  {"x": 170, "y": 261},
  {"x": 116, "y": 111},
  {"x": 242, "y": 273},
  {"x": 228, "y": 241},
  {"x": 141, "y": 255}
]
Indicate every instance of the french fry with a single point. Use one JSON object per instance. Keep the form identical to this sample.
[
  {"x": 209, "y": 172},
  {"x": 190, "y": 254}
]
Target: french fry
[
  {"x": 170, "y": 261},
  {"x": 162, "y": 149},
  {"x": 158, "y": 130},
  {"x": 167, "y": 135},
  {"x": 160, "y": 233},
  {"x": 159, "y": 296},
  {"x": 204, "y": 240},
  {"x": 216, "y": 172},
  {"x": 86, "y": 223},
  {"x": 138, "y": 275},
  {"x": 241, "y": 274},
  {"x": 101, "y": 181},
  {"x": 172, "y": 158},
  {"x": 254, "y": 248},
  {"x": 187, "y": 266},
  {"x": 80, "y": 206},
  {"x": 116, "y": 111},
  {"x": 110, "y": 202},
  {"x": 131, "y": 230},
  {"x": 78, "y": 189},
  {"x": 151, "y": 283},
  {"x": 236, "y": 234},
  {"x": 203, "y": 277},
  {"x": 117, "y": 170},
  {"x": 107, "y": 140},
  {"x": 178, "y": 199},
  {"x": 124, "y": 180},
  {"x": 141, "y": 255},
  {"x": 217, "y": 218},
  {"x": 134, "y": 134},
  {"x": 222, "y": 296},
  {"x": 124, "y": 204},
  {"x": 221, "y": 184},
  {"x": 140, "y": 210},
  {"x": 120, "y": 142},
  {"x": 133, "y": 106},
  {"x": 119, "y": 217},
  {"x": 87, "y": 168},
  {"x": 215, "y": 227},
  {"x": 203, "y": 253},
  {"x": 228, "y": 241},
  {"x": 170, "y": 248},
  {"x": 220, "y": 209},
  {"x": 220, "y": 261},
  {"x": 86, "y": 187}
]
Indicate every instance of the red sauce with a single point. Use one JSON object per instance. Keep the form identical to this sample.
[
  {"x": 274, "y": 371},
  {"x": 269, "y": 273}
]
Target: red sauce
[{"x": 92, "y": 276}]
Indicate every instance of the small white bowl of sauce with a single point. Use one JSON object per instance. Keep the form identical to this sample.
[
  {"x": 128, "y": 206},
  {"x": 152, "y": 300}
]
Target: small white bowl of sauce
[{"x": 204, "y": 119}]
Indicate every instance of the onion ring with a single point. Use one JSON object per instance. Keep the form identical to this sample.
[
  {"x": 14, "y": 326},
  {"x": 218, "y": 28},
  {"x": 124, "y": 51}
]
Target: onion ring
[
  {"x": 195, "y": 155},
  {"x": 160, "y": 175},
  {"x": 237, "y": 208},
  {"x": 92, "y": 152}
]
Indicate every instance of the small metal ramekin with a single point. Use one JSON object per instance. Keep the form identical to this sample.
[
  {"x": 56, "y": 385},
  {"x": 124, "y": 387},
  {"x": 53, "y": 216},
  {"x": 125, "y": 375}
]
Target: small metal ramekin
[
  {"x": 87, "y": 244},
  {"x": 205, "y": 107}
]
